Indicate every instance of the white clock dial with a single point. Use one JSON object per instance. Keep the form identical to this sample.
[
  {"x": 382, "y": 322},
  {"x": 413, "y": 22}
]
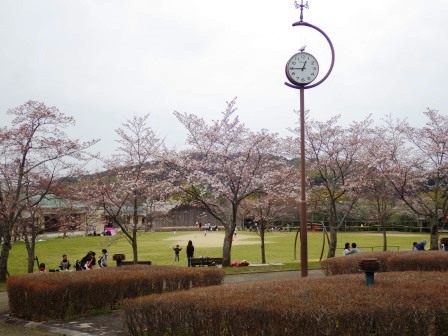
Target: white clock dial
[{"x": 302, "y": 68}]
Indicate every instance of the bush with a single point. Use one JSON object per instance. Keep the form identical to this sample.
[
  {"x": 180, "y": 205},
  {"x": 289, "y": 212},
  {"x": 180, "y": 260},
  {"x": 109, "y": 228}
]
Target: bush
[
  {"x": 390, "y": 262},
  {"x": 58, "y": 295},
  {"x": 398, "y": 304}
]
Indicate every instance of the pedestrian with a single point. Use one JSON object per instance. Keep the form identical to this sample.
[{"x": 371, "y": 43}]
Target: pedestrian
[
  {"x": 190, "y": 252},
  {"x": 64, "y": 265},
  {"x": 102, "y": 261},
  {"x": 177, "y": 249},
  {"x": 346, "y": 249}
]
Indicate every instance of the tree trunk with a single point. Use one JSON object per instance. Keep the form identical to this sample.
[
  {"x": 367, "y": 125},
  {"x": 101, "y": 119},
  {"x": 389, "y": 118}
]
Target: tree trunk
[
  {"x": 6, "y": 247},
  {"x": 31, "y": 257},
  {"x": 228, "y": 237},
  {"x": 332, "y": 223},
  {"x": 333, "y": 241},
  {"x": 31, "y": 245},
  {"x": 134, "y": 230},
  {"x": 227, "y": 246},
  {"x": 263, "y": 251},
  {"x": 295, "y": 242},
  {"x": 434, "y": 234},
  {"x": 30, "y": 249},
  {"x": 382, "y": 218},
  {"x": 134, "y": 247}
]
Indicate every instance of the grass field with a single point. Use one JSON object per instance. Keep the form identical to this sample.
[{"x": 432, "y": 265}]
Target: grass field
[{"x": 158, "y": 247}]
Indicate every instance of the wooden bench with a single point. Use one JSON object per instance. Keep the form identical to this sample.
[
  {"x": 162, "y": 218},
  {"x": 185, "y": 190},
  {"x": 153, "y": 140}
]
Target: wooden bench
[{"x": 206, "y": 261}]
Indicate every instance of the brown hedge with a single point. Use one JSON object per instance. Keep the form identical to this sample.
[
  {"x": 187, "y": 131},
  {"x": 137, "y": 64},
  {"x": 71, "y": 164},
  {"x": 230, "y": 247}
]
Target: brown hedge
[
  {"x": 390, "y": 262},
  {"x": 58, "y": 295},
  {"x": 408, "y": 303}
]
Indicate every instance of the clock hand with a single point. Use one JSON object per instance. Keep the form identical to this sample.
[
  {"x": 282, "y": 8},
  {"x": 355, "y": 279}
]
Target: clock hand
[
  {"x": 292, "y": 68},
  {"x": 303, "y": 68}
]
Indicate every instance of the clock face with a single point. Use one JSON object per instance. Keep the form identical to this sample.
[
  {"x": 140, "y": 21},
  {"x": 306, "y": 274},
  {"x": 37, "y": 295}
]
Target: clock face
[{"x": 302, "y": 68}]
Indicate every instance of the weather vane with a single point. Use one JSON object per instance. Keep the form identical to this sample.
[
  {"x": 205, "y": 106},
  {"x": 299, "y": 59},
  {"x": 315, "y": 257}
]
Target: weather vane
[{"x": 301, "y": 6}]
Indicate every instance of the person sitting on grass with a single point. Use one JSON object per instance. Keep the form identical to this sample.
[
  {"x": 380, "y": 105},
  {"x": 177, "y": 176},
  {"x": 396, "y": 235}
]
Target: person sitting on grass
[
  {"x": 64, "y": 265},
  {"x": 88, "y": 261},
  {"x": 346, "y": 249},
  {"x": 354, "y": 249}
]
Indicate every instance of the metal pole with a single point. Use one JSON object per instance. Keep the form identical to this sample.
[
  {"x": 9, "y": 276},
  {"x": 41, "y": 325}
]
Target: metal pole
[{"x": 303, "y": 219}]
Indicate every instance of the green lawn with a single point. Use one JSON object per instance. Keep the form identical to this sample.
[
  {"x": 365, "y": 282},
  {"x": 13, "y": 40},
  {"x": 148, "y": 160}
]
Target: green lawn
[{"x": 157, "y": 247}]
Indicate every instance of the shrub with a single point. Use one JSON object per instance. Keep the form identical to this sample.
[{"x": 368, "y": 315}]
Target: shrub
[
  {"x": 398, "y": 304},
  {"x": 58, "y": 295},
  {"x": 390, "y": 262}
]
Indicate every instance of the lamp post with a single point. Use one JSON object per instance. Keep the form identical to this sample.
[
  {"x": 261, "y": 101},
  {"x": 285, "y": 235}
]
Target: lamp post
[{"x": 301, "y": 70}]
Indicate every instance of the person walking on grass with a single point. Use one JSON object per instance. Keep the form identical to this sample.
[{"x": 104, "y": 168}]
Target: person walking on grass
[{"x": 190, "y": 252}]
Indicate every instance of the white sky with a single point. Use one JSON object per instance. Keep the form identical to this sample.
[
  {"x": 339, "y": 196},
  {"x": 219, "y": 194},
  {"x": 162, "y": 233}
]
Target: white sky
[{"x": 102, "y": 61}]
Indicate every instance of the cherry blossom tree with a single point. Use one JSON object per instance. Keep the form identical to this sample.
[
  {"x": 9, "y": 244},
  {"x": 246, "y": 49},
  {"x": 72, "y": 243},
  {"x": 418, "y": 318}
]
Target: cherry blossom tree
[
  {"x": 225, "y": 164},
  {"x": 378, "y": 200},
  {"x": 133, "y": 180},
  {"x": 32, "y": 222},
  {"x": 334, "y": 156},
  {"x": 414, "y": 161},
  {"x": 35, "y": 154},
  {"x": 266, "y": 206}
]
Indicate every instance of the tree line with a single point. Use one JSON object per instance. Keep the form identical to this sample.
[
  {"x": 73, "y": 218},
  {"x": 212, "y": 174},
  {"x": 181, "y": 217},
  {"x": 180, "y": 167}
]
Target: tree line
[{"x": 226, "y": 168}]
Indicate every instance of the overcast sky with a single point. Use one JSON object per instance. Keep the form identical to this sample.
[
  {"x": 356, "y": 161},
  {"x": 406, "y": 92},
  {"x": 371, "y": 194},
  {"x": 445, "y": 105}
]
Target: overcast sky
[{"x": 102, "y": 61}]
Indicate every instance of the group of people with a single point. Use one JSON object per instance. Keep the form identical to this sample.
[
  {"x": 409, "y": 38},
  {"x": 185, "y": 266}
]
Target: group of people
[
  {"x": 420, "y": 246},
  {"x": 64, "y": 265},
  {"x": 190, "y": 252},
  {"x": 350, "y": 249},
  {"x": 87, "y": 262}
]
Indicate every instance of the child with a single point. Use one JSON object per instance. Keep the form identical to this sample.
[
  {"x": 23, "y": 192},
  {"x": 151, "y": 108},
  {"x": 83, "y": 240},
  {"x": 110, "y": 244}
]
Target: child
[
  {"x": 176, "y": 249},
  {"x": 64, "y": 265},
  {"x": 346, "y": 249},
  {"x": 355, "y": 249},
  {"x": 102, "y": 261}
]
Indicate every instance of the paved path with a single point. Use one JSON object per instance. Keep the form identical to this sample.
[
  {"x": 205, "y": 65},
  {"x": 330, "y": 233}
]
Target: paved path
[{"x": 112, "y": 324}]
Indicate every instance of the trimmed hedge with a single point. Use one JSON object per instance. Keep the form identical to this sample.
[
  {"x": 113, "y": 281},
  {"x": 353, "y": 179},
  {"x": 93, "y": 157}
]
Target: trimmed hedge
[
  {"x": 407, "y": 303},
  {"x": 390, "y": 262},
  {"x": 59, "y": 295}
]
